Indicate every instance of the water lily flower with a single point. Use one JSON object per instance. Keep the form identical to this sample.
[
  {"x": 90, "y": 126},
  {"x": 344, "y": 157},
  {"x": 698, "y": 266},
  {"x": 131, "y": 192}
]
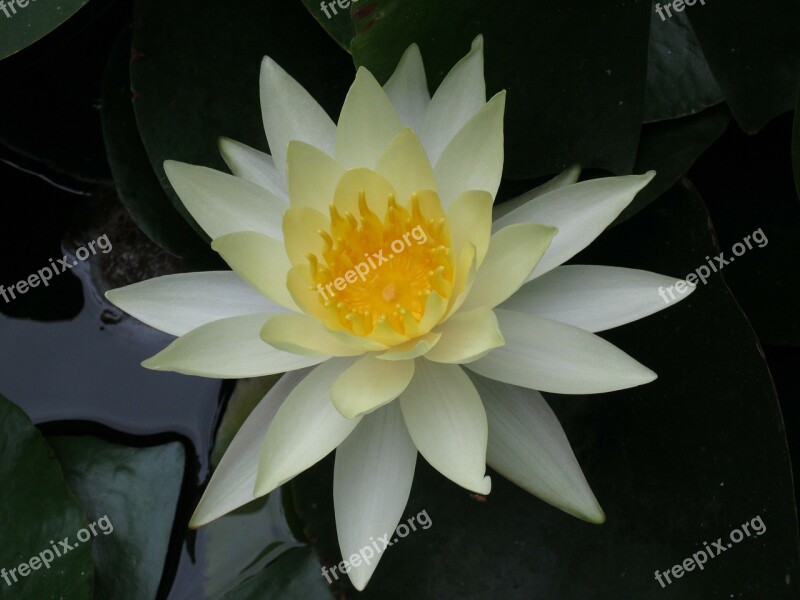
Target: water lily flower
[{"x": 441, "y": 347}]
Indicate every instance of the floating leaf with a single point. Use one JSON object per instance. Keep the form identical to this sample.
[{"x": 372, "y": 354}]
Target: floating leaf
[
  {"x": 137, "y": 490},
  {"x": 38, "y": 512}
]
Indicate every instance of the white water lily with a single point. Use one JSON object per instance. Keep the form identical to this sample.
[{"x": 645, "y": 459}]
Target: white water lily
[{"x": 464, "y": 329}]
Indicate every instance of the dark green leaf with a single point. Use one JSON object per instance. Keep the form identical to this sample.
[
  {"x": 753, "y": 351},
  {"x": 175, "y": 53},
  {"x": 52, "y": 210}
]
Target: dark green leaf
[
  {"x": 197, "y": 78},
  {"x": 137, "y": 490},
  {"x": 137, "y": 184},
  {"x": 679, "y": 82},
  {"x": 38, "y": 511},
  {"x": 25, "y": 21},
  {"x": 670, "y": 148},
  {"x": 676, "y": 463},
  {"x": 576, "y": 87},
  {"x": 754, "y": 53}
]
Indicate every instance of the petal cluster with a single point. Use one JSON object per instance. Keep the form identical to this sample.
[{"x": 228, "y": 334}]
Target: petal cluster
[{"x": 366, "y": 265}]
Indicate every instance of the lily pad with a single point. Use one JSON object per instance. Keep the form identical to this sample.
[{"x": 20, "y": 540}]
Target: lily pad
[
  {"x": 676, "y": 463},
  {"x": 671, "y": 148},
  {"x": 754, "y": 53},
  {"x": 135, "y": 180},
  {"x": 136, "y": 490},
  {"x": 39, "y": 512},
  {"x": 679, "y": 80},
  {"x": 25, "y": 21}
]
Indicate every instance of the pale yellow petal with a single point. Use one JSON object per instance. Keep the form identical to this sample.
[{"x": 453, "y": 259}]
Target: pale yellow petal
[
  {"x": 367, "y": 124},
  {"x": 513, "y": 254},
  {"x": 313, "y": 176},
  {"x": 369, "y": 384},
  {"x": 406, "y": 166},
  {"x": 467, "y": 336},
  {"x": 301, "y": 227},
  {"x": 470, "y": 220}
]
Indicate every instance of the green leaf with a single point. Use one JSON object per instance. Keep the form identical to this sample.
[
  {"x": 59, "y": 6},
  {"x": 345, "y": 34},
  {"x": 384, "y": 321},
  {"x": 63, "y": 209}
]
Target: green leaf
[
  {"x": 25, "y": 21},
  {"x": 137, "y": 489},
  {"x": 185, "y": 100},
  {"x": 675, "y": 463},
  {"x": 679, "y": 81},
  {"x": 671, "y": 148},
  {"x": 576, "y": 87},
  {"x": 754, "y": 53},
  {"x": 136, "y": 182},
  {"x": 36, "y": 507},
  {"x": 295, "y": 575}
]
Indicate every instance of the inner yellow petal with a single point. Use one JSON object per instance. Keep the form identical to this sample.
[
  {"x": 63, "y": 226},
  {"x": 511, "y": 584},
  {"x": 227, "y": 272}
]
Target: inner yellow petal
[{"x": 375, "y": 273}]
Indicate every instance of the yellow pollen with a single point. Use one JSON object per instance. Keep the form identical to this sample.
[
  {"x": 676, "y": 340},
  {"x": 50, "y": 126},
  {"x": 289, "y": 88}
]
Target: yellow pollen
[{"x": 374, "y": 272}]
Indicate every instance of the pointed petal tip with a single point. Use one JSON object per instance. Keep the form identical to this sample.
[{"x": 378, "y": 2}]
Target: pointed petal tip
[{"x": 477, "y": 43}]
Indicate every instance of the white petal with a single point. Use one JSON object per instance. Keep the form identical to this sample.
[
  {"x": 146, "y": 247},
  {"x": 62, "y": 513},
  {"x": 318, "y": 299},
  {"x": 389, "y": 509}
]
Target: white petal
[
  {"x": 596, "y": 298},
  {"x": 447, "y": 422},
  {"x": 306, "y": 429},
  {"x": 222, "y": 203},
  {"x": 234, "y": 480},
  {"x": 553, "y": 357},
  {"x": 528, "y": 446},
  {"x": 473, "y": 160},
  {"x": 176, "y": 304},
  {"x": 369, "y": 384},
  {"x": 566, "y": 177},
  {"x": 367, "y": 124},
  {"x": 580, "y": 212},
  {"x": 291, "y": 113},
  {"x": 460, "y": 96},
  {"x": 371, "y": 483},
  {"x": 407, "y": 88},
  {"x": 228, "y": 349},
  {"x": 252, "y": 165}
]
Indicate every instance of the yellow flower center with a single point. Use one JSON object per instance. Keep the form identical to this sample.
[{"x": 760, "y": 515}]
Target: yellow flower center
[{"x": 375, "y": 272}]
